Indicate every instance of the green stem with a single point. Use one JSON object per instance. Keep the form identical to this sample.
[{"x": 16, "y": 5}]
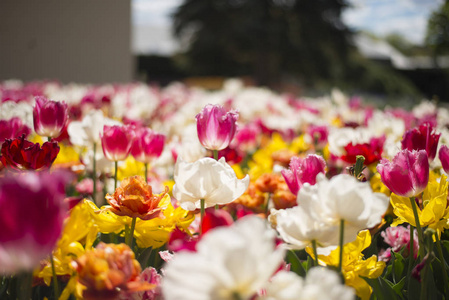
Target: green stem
[
  {"x": 48, "y": 139},
  {"x": 215, "y": 154},
  {"x": 315, "y": 252},
  {"x": 411, "y": 252},
  {"x": 418, "y": 228},
  {"x": 55, "y": 279},
  {"x": 129, "y": 234},
  {"x": 94, "y": 174},
  {"x": 146, "y": 172},
  {"x": 115, "y": 174},
  {"x": 443, "y": 262},
  {"x": 202, "y": 216},
  {"x": 24, "y": 286},
  {"x": 267, "y": 204},
  {"x": 342, "y": 230}
]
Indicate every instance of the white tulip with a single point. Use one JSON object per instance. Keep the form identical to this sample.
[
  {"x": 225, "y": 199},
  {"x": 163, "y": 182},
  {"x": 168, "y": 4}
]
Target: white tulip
[
  {"x": 208, "y": 179},
  {"x": 230, "y": 261}
]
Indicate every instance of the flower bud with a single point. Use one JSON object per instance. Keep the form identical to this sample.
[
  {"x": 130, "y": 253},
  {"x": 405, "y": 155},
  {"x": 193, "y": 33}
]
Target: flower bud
[
  {"x": 147, "y": 145},
  {"x": 116, "y": 142},
  {"x": 49, "y": 117}
]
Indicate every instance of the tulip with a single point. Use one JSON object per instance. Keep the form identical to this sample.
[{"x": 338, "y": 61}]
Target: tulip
[
  {"x": 49, "y": 117},
  {"x": 303, "y": 171},
  {"x": 32, "y": 211},
  {"x": 372, "y": 151},
  {"x": 147, "y": 145},
  {"x": 206, "y": 179},
  {"x": 216, "y": 127},
  {"x": 407, "y": 175},
  {"x": 116, "y": 142},
  {"x": 422, "y": 138},
  {"x": 443, "y": 155},
  {"x": 21, "y": 154},
  {"x": 12, "y": 128}
]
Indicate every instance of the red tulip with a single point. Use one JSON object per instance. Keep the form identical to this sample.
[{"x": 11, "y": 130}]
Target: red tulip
[
  {"x": 407, "y": 175},
  {"x": 12, "y": 128},
  {"x": 117, "y": 141},
  {"x": 147, "y": 145},
  {"x": 422, "y": 138},
  {"x": 49, "y": 117},
  {"x": 372, "y": 151},
  {"x": 216, "y": 126},
  {"x": 21, "y": 154}
]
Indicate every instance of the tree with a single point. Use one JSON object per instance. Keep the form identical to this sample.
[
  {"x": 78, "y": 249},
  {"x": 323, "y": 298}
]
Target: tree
[
  {"x": 265, "y": 38},
  {"x": 437, "y": 36}
]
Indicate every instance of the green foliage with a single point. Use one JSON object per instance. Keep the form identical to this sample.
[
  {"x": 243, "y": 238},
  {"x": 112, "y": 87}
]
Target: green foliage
[{"x": 437, "y": 36}]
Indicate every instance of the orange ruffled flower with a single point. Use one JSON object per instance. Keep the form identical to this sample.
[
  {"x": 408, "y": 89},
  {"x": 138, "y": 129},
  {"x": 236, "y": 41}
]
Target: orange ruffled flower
[
  {"x": 108, "y": 271},
  {"x": 134, "y": 198}
]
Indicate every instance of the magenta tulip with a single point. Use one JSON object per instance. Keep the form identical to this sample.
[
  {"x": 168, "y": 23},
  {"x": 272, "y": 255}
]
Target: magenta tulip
[
  {"x": 407, "y": 175},
  {"x": 32, "y": 211},
  {"x": 117, "y": 141},
  {"x": 147, "y": 145},
  {"x": 49, "y": 117},
  {"x": 422, "y": 138},
  {"x": 303, "y": 171},
  {"x": 216, "y": 126},
  {"x": 13, "y": 128},
  {"x": 443, "y": 155}
]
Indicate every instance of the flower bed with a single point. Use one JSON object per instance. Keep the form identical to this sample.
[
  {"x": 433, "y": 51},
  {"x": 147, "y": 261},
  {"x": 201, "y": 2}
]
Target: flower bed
[{"x": 142, "y": 192}]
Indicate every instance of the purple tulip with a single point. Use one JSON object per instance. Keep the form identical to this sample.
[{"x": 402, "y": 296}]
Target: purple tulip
[
  {"x": 13, "y": 128},
  {"x": 407, "y": 175},
  {"x": 117, "y": 141},
  {"x": 443, "y": 155},
  {"x": 49, "y": 117},
  {"x": 32, "y": 211},
  {"x": 303, "y": 171},
  {"x": 216, "y": 126},
  {"x": 147, "y": 145}
]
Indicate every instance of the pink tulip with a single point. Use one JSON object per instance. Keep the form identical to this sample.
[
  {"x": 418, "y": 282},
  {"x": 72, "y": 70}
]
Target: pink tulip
[
  {"x": 147, "y": 145},
  {"x": 12, "y": 128},
  {"x": 422, "y": 138},
  {"x": 49, "y": 117},
  {"x": 117, "y": 141},
  {"x": 32, "y": 211},
  {"x": 216, "y": 127},
  {"x": 443, "y": 155},
  {"x": 303, "y": 171},
  {"x": 407, "y": 175}
]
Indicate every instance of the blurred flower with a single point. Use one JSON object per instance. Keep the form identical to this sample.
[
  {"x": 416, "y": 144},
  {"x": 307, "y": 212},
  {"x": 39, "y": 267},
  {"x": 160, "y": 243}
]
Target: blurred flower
[
  {"x": 407, "y": 175},
  {"x": 151, "y": 276},
  {"x": 13, "y": 128},
  {"x": 422, "y": 138},
  {"x": 434, "y": 211},
  {"x": 235, "y": 261},
  {"x": 443, "y": 155},
  {"x": 134, "y": 198},
  {"x": 354, "y": 267},
  {"x": 398, "y": 237},
  {"x": 109, "y": 270},
  {"x": 208, "y": 179},
  {"x": 117, "y": 141},
  {"x": 328, "y": 200},
  {"x": 252, "y": 197},
  {"x": 21, "y": 154},
  {"x": 246, "y": 138},
  {"x": 86, "y": 186},
  {"x": 32, "y": 211},
  {"x": 49, "y": 117},
  {"x": 147, "y": 145},
  {"x": 216, "y": 127},
  {"x": 268, "y": 182},
  {"x": 372, "y": 151},
  {"x": 320, "y": 283},
  {"x": 302, "y": 171}
]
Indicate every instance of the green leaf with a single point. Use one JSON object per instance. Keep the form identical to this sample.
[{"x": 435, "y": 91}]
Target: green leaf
[
  {"x": 382, "y": 289},
  {"x": 398, "y": 267},
  {"x": 295, "y": 264}
]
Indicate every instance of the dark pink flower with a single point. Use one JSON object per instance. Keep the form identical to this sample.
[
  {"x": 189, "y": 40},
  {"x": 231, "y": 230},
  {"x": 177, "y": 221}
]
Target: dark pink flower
[
  {"x": 216, "y": 126},
  {"x": 443, "y": 155},
  {"x": 407, "y": 175},
  {"x": 372, "y": 151},
  {"x": 398, "y": 238},
  {"x": 147, "y": 145},
  {"x": 32, "y": 210},
  {"x": 117, "y": 141},
  {"x": 13, "y": 128},
  {"x": 49, "y": 117},
  {"x": 302, "y": 171},
  {"x": 246, "y": 137},
  {"x": 151, "y": 276},
  {"x": 319, "y": 134},
  {"x": 422, "y": 138}
]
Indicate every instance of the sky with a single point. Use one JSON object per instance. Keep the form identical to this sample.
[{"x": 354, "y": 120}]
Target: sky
[{"x": 152, "y": 22}]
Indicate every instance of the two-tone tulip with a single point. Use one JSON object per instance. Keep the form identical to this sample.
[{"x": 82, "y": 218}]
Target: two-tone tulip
[{"x": 49, "y": 117}]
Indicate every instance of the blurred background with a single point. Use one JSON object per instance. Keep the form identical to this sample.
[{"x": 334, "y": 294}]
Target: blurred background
[{"x": 380, "y": 48}]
